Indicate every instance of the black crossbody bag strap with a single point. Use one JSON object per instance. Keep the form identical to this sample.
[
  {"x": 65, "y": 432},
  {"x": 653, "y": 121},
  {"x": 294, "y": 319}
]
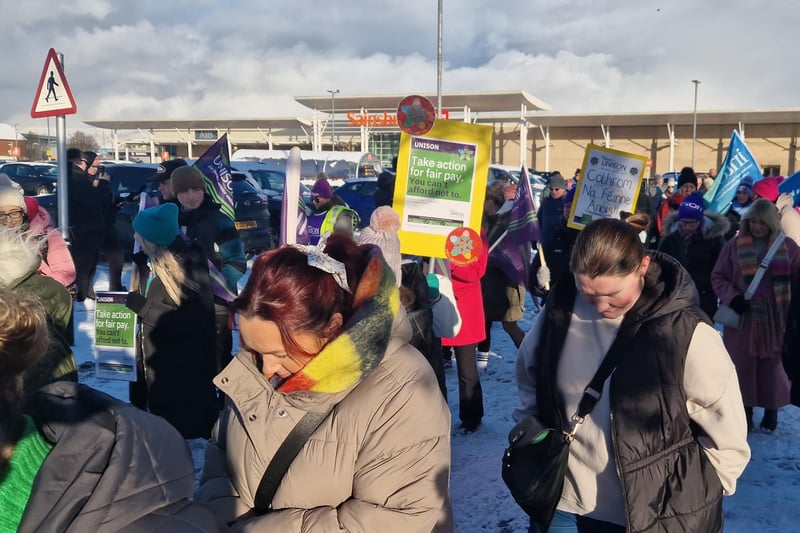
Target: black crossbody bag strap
[{"x": 283, "y": 458}]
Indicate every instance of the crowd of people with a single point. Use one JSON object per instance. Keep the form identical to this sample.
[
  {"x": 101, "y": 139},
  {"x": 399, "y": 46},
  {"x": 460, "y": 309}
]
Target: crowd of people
[{"x": 339, "y": 373}]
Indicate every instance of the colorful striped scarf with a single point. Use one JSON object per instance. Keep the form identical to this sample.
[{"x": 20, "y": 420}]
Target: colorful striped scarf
[
  {"x": 769, "y": 305},
  {"x": 359, "y": 349}
]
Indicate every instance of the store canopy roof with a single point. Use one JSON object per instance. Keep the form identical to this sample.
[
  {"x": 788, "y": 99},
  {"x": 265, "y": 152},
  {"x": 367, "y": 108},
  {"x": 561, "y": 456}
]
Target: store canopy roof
[
  {"x": 203, "y": 124},
  {"x": 680, "y": 118},
  {"x": 485, "y": 107},
  {"x": 482, "y": 102}
]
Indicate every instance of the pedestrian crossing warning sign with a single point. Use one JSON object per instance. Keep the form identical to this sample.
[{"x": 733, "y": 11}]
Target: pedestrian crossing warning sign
[{"x": 53, "y": 96}]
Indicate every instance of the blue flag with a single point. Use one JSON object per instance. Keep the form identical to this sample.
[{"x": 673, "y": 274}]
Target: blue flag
[
  {"x": 215, "y": 165},
  {"x": 738, "y": 164},
  {"x": 792, "y": 186}
]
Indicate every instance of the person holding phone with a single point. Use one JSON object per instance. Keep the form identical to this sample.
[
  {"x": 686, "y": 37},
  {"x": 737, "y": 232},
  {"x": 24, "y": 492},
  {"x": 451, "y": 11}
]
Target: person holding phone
[{"x": 89, "y": 201}]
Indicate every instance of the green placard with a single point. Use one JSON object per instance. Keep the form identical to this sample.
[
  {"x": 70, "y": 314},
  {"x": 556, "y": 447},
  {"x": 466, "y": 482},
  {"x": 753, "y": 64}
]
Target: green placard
[
  {"x": 440, "y": 175},
  {"x": 114, "y": 337},
  {"x": 114, "y": 326}
]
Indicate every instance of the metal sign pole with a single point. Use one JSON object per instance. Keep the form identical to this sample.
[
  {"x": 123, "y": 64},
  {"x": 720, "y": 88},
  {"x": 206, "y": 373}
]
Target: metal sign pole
[
  {"x": 61, "y": 155},
  {"x": 439, "y": 63}
]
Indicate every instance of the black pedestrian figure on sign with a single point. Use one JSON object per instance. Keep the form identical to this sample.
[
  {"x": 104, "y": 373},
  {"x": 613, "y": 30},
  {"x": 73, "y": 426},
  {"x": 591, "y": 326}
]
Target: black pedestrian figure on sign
[{"x": 51, "y": 87}]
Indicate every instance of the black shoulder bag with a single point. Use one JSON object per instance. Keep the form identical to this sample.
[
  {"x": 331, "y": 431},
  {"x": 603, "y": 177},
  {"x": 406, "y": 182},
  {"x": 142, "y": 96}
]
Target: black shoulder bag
[{"x": 535, "y": 462}]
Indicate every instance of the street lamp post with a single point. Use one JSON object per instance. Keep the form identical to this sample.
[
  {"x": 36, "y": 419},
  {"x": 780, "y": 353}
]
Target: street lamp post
[
  {"x": 333, "y": 92},
  {"x": 694, "y": 119},
  {"x": 16, "y": 143}
]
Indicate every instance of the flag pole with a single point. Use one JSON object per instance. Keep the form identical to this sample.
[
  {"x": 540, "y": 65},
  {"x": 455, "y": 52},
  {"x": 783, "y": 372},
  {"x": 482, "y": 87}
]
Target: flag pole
[
  {"x": 291, "y": 198},
  {"x": 498, "y": 241}
]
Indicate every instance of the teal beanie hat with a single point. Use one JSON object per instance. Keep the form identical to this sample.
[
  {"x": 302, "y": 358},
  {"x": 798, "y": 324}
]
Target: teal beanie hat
[{"x": 158, "y": 224}]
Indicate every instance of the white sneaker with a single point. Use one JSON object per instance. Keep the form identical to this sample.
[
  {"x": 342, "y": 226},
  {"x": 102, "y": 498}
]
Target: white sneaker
[{"x": 482, "y": 359}]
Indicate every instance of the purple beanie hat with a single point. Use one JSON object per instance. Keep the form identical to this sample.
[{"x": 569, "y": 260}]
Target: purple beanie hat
[
  {"x": 692, "y": 208},
  {"x": 322, "y": 189}
]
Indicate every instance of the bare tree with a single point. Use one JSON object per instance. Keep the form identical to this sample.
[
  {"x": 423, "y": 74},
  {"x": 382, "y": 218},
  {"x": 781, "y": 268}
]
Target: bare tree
[{"x": 83, "y": 141}]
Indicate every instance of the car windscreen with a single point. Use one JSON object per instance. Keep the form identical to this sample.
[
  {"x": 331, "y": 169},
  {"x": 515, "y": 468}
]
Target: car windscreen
[
  {"x": 47, "y": 170},
  {"x": 363, "y": 188},
  {"x": 128, "y": 180},
  {"x": 269, "y": 180}
]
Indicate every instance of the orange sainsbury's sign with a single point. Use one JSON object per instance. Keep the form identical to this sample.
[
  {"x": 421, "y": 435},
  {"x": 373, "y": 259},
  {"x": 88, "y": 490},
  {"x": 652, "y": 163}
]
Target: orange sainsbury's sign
[{"x": 384, "y": 119}]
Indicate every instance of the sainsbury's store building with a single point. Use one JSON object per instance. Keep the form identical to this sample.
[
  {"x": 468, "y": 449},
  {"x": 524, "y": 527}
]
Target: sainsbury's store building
[{"x": 525, "y": 131}]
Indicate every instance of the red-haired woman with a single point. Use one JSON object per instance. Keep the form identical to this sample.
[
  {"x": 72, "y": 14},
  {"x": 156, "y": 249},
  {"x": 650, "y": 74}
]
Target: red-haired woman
[{"x": 322, "y": 331}]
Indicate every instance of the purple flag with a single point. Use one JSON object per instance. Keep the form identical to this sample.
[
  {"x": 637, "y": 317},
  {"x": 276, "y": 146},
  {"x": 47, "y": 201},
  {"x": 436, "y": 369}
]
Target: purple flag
[
  {"x": 215, "y": 165},
  {"x": 218, "y": 285},
  {"x": 512, "y": 251}
]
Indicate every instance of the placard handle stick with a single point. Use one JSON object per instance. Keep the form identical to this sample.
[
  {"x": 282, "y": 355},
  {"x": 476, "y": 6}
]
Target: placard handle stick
[{"x": 542, "y": 261}]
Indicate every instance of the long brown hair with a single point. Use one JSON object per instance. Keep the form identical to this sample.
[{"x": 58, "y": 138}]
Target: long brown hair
[
  {"x": 765, "y": 211},
  {"x": 167, "y": 267}
]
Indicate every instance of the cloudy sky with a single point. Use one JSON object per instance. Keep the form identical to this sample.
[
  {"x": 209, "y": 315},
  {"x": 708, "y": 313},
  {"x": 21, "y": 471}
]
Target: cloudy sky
[{"x": 248, "y": 58}]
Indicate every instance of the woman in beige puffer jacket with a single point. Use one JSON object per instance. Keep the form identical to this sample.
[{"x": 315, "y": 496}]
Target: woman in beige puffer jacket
[{"x": 380, "y": 461}]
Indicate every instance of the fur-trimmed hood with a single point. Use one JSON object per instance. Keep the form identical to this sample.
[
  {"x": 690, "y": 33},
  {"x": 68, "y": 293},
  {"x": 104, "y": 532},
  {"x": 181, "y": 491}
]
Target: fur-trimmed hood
[
  {"x": 19, "y": 257},
  {"x": 714, "y": 224}
]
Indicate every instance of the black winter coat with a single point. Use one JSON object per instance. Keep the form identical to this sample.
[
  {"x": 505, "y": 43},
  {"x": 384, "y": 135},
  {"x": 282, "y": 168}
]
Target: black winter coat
[
  {"x": 178, "y": 348},
  {"x": 791, "y": 346},
  {"x": 699, "y": 254},
  {"x": 89, "y": 206},
  {"x": 202, "y": 228},
  {"x": 550, "y": 215},
  {"x": 112, "y": 468},
  {"x": 668, "y": 482},
  {"x": 384, "y": 194}
]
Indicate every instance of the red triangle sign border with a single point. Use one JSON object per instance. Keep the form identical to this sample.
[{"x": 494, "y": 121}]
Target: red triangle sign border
[{"x": 35, "y": 112}]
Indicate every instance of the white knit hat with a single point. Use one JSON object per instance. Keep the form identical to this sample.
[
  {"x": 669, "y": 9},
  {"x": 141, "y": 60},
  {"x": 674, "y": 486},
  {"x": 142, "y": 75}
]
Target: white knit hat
[
  {"x": 11, "y": 197},
  {"x": 382, "y": 232}
]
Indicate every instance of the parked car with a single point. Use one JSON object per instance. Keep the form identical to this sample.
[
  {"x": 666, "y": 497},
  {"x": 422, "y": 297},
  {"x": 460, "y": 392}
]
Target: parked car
[
  {"x": 253, "y": 220},
  {"x": 127, "y": 182},
  {"x": 508, "y": 172},
  {"x": 359, "y": 193},
  {"x": 273, "y": 181},
  {"x": 34, "y": 178},
  {"x": 673, "y": 175}
]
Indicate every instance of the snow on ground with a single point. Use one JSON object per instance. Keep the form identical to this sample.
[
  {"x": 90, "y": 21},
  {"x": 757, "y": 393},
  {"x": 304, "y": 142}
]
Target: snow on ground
[{"x": 766, "y": 499}]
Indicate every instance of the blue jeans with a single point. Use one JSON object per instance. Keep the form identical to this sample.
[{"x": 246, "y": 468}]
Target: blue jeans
[{"x": 564, "y": 522}]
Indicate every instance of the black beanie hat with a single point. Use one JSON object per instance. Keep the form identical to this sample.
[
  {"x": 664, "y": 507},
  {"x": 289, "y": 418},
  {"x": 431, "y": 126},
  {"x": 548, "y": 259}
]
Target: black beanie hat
[
  {"x": 165, "y": 168},
  {"x": 687, "y": 176}
]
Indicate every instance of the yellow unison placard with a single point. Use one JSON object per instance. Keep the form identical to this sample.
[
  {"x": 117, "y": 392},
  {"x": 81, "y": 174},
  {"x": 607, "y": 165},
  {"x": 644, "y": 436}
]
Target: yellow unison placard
[
  {"x": 609, "y": 183},
  {"x": 441, "y": 184}
]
